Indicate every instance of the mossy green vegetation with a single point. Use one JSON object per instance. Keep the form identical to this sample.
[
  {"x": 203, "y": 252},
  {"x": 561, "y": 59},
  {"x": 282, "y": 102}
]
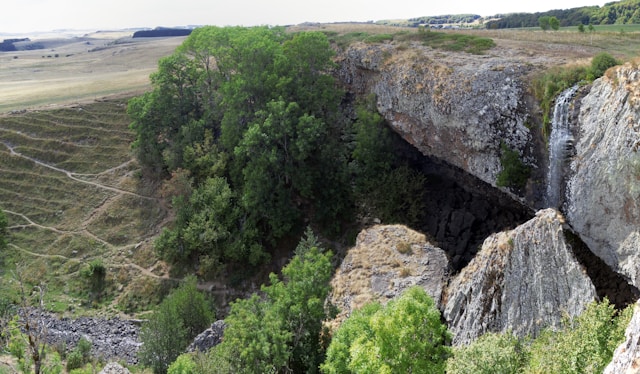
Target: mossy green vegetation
[{"x": 515, "y": 172}]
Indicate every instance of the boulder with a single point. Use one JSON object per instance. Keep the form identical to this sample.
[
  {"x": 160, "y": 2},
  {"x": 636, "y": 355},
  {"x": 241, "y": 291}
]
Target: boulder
[
  {"x": 520, "y": 281},
  {"x": 385, "y": 261},
  {"x": 603, "y": 189},
  {"x": 114, "y": 368},
  {"x": 626, "y": 358},
  {"x": 209, "y": 338}
]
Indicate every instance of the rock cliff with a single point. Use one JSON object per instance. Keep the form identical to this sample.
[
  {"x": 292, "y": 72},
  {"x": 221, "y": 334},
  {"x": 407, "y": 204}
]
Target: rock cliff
[
  {"x": 458, "y": 109},
  {"x": 626, "y": 358},
  {"x": 385, "y": 261},
  {"x": 603, "y": 190},
  {"x": 521, "y": 280}
]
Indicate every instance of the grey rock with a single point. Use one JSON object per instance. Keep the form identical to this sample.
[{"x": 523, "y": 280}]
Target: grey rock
[
  {"x": 209, "y": 338},
  {"x": 521, "y": 280},
  {"x": 626, "y": 358},
  {"x": 603, "y": 190},
  {"x": 114, "y": 368},
  {"x": 386, "y": 260},
  {"x": 458, "y": 109}
]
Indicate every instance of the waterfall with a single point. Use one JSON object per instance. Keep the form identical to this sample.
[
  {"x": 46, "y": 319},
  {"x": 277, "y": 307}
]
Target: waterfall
[{"x": 560, "y": 146}]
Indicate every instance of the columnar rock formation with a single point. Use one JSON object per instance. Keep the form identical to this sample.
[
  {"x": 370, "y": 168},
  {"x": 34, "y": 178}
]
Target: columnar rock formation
[
  {"x": 603, "y": 202},
  {"x": 521, "y": 280}
]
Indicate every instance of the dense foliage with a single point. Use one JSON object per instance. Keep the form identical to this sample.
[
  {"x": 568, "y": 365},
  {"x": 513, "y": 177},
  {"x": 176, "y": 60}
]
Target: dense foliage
[
  {"x": 3, "y": 230},
  {"x": 280, "y": 330},
  {"x": 514, "y": 173},
  {"x": 617, "y": 12},
  {"x": 405, "y": 336},
  {"x": 180, "y": 317},
  {"x": 248, "y": 127},
  {"x": 584, "y": 344}
]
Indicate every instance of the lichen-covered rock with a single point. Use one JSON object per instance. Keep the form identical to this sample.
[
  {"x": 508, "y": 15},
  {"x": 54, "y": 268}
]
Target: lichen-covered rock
[
  {"x": 521, "y": 280},
  {"x": 626, "y": 358},
  {"x": 603, "y": 191},
  {"x": 458, "y": 110},
  {"x": 385, "y": 261}
]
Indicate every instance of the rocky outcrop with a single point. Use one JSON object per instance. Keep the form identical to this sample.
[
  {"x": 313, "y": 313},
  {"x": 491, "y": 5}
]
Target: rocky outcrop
[
  {"x": 385, "y": 261},
  {"x": 458, "y": 109},
  {"x": 603, "y": 191},
  {"x": 209, "y": 338},
  {"x": 521, "y": 280},
  {"x": 626, "y": 358}
]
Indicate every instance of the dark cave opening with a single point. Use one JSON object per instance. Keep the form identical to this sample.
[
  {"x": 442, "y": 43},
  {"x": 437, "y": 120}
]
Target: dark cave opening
[
  {"x": 607, "y": 282},
  {"x": 462, "y": 210}
]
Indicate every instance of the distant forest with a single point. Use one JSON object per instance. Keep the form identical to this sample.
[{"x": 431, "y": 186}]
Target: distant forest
[
  {"x": 618, "y": 12},
  {"x": 161, "y": 32}
]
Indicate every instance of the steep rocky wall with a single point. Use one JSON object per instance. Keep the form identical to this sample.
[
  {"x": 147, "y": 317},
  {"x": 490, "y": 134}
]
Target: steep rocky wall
[
  {"x": 458, "y": 109},
  {"x": 521, "y": 280},
  {"x": 603, "y": 191}
]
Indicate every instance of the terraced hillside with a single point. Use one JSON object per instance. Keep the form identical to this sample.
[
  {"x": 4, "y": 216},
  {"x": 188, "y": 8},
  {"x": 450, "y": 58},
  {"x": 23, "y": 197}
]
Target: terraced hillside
[{"x": 73, "y": 194}]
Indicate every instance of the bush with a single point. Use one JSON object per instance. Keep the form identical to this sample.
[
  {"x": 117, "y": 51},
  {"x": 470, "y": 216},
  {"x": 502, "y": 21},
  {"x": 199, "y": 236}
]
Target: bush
[
  {"x": 74, "y": 360},
  {"x": 514, "y": 172},
  {"x": 490, "y": 354},
  {"x": 600, "y": 63},
  {"x": 184, "y": 364},
  {"x": 405, "y": 336}
]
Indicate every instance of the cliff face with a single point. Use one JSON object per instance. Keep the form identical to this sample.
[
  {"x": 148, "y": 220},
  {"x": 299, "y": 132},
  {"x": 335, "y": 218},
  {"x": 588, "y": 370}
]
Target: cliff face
[
  {"x": 458, "y": 110},
  {"x": 603, "y": 191},
  {"x": 521, "y": 280}
]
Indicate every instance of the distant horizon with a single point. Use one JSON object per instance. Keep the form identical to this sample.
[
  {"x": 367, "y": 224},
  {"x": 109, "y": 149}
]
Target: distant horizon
[{"x": 21, "y": 17}]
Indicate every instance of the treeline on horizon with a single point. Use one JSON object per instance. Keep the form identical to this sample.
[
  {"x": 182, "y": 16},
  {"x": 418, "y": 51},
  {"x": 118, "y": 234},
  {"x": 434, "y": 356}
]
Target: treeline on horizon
[{"x": 619, "y": 13}]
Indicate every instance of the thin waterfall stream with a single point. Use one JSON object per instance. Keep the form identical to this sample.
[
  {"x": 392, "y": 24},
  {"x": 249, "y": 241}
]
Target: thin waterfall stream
[{"x": 560, "y": 145}]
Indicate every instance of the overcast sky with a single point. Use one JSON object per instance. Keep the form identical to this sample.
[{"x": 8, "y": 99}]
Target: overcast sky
[{"x": 20, "y": 16}]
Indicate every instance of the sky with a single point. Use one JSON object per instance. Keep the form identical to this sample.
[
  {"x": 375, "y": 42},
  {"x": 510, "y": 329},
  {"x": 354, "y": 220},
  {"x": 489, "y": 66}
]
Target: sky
[{"x": 22, "y": 16}]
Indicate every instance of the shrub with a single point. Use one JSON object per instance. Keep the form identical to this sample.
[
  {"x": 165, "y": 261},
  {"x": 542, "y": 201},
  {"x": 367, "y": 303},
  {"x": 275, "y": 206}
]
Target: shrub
[
  {"x": 74, "y": 360},
  {"x": 600, "y": 63},
  {"x": 514, "y": 172},
  {"x": 490, "y": 354},
  {"x": 184, "y": 364}
]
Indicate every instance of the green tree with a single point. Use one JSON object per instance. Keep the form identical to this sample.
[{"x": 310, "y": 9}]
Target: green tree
[
  {"x": 554, "y": 23},
  {"x": 3, "y": 230},
  {"x": 280, "y": 331},
  {"x": 405, "y": 336},
  {"x": 184, "y": 364},
  {"x": 544, "y": 22},
  {"x": 182, "y": 315},
  {"x": 581, "y": 28},
  {"x": 490, "y": 354}
]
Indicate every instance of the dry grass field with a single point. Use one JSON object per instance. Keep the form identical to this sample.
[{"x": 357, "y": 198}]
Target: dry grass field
[{"x": 79, "y": 69}]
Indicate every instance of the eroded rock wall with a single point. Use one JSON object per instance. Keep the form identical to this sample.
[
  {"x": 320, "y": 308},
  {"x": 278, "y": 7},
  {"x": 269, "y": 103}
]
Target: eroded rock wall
[
  {"x": 521, "y": 280},
  {"x": 457, "y": 109},
  {"x": 626, "y": 358},
  {"x": 603, "y": 191}
]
